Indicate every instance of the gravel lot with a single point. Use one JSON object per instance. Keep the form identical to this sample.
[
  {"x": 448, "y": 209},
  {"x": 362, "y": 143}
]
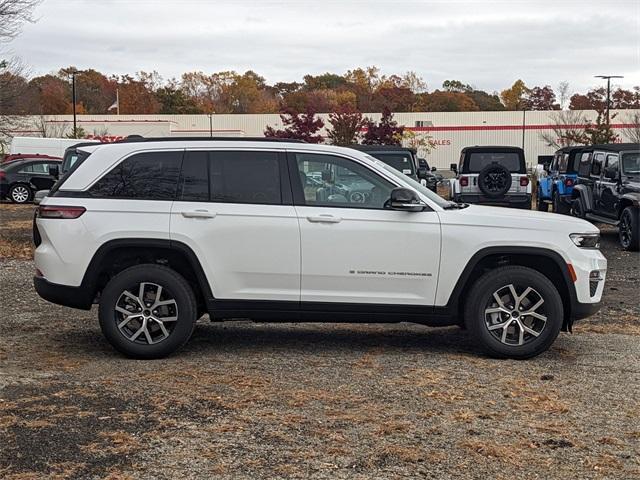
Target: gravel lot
[{"x": 245, "y": 400}]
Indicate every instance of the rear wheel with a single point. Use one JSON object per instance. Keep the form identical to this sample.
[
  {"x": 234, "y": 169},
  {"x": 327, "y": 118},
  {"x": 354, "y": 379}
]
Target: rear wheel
[
  {"x": 558, "y": 205},
  {"x": 147, "y": 311},
  {"x": 577, "y": 209},
  {"x": 629, "y": 229},
  {"x": 541, "y": 205},
  {"x": 20, "y": 193},
  {"x": 514, "y": 312}
]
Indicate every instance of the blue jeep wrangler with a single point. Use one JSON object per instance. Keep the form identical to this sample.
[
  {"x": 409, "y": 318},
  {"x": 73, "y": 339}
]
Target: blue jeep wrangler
[{"x": 557, "y": 186}]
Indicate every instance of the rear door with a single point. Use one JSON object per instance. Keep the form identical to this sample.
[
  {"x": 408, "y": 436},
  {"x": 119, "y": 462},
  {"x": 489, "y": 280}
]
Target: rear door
[
  {"x": 597, "y": 166},
  {"x": 234, "y": 210},
  {"x": 609, "y": 196}
]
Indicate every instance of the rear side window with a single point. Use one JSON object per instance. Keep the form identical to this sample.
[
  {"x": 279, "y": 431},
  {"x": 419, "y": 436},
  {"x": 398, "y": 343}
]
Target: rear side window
[
  {"x": 596, "y": 166},
  {"x": 477, "y": 161},
  {"x": 585, "y": 165},
  {"x": 231, "y": 177},
  {"x": 144, "y": 176}
]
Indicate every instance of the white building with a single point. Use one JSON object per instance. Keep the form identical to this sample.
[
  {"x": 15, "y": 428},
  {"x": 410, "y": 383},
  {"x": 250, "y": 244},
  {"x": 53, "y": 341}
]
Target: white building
[{"x": 448, "y": 131}]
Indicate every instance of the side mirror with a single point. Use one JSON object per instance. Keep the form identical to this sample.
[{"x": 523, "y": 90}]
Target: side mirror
[
  {"x": 611, "y": 173},
  {"x": 405, "y": 199},
  {"x": 454, "y": 167},
  {"x": 54, "y": 171},
  {"x": 423, "y": 172},
  {"x": 423, "y": 163},
  {"x": 433, "y": 169}
]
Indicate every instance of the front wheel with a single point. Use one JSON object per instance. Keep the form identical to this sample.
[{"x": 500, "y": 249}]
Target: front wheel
[
  {"x": 514, "y": 312},
  {"x": 147, "y": 311},
  {"x": 577, "y": 210},
  {"x": 629, "y": 230}
]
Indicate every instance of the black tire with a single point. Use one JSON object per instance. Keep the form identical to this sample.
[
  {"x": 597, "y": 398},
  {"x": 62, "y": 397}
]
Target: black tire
[
  {"x": 20, "y": 193},
  {"x": 541, "y": 205},
  {"x": 494, "y": 180},
  {"x": 558, "y": 205},
  {"x": 174, "y": 286},
  {"x": 481, "y": 298},
  {"x": 577, "y": 209},
  {"x": 629, "y": 229}
]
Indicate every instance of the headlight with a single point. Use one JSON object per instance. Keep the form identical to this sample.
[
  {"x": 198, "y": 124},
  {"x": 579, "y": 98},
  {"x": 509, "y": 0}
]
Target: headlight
[{"x": 586, "y": 240}]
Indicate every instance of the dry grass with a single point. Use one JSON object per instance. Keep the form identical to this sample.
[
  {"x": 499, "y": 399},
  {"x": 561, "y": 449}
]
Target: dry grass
[
  {"x": 492, "y": 450},
  {"x": 19, "y": 249},
  {"x": 117, "y": 443}
]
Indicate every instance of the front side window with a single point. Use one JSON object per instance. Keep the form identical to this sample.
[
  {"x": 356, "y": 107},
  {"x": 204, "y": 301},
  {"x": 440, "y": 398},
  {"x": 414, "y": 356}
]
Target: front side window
[
  {"x": 596, "y": 166},
  {"x": 329, "y": 181},
  {"x": 585, "y": 164},
  {"x": 612, "y": 163},
  {"x": 631, "y": 163},
  {"x": 144, "y": 176}
]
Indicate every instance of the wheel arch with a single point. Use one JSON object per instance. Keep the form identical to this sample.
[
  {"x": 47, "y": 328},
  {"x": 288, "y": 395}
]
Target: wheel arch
[
  {"x": 545, "y": 261},
  {"x": 628, "y": 200},
  {"x": 116, "y": 255}
]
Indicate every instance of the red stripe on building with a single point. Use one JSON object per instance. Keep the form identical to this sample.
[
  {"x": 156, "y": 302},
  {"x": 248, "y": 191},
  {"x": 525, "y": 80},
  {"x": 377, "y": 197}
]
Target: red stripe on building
[{"x": 461, "y": 128}]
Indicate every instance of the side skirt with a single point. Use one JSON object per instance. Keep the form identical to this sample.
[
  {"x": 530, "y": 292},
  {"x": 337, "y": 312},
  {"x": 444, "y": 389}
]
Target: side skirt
[{"x": 329, "y": 312}]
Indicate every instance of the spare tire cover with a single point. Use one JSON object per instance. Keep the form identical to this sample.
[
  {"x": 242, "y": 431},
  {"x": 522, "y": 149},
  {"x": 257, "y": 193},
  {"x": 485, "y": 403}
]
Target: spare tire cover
[{"x": 494, "y": 180}]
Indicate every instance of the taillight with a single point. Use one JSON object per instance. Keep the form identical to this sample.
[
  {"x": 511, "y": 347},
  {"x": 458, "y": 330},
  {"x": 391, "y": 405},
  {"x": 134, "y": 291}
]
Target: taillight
[
  {"x": 568, "y": 182},
  {"x": 524, "y": 181},
  {"x": 3, "y": 174},
  {"x": 50, "y": 211},
  {"x": 464, "y": 181}
]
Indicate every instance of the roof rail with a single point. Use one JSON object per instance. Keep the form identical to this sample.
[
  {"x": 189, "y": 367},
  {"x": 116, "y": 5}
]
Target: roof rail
[{"x": 136, "y": 139}]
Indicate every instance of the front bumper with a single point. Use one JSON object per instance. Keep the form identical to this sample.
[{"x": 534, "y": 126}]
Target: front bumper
[{"x": 518, "y": 201}]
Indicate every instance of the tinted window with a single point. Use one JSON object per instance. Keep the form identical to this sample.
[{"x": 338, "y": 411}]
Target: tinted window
[
  {"x": 563, "y": 160},
  {"x": 245, "y": 177},
  {"x": 194, "y": 183},
  {"x": 596, "y": 166},
  {"x": 612, "y": 162},
  {"x": 330, "y": 181},
  {"x": 585, "y": 164},
  {"x": 477, "y": 161},
  {"x": 403, "y": 162},
  {"x": 631, "y": 163},
  {"x": 149, "y": 175}
]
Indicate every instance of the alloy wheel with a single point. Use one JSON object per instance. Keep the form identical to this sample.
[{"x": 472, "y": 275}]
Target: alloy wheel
[
  {"x": 19, "y": 194},
  {"x": 147, "y": 316},
  {"x": 514, "y": 318},
  {"x": 625, "y": 230}
]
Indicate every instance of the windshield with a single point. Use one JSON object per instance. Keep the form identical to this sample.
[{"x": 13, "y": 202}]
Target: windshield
[
  {"x": 477, "y": 161},
  {"x": 631, "y": 163},
  {"x": 441, "y": 202},
  {"x": 70, "y": 158},
  {"x": 403, "y": 162}
]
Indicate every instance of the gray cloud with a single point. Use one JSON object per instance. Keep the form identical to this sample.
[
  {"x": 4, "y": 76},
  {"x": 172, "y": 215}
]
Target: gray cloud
[{"x": 487, "y": 44}]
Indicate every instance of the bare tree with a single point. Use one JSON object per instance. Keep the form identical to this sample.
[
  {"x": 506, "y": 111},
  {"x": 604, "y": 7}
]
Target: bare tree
[
  {"x": 564, "y": 95},
  {"x": 12, "y": 86},
  {"x": 568, "y": 125},
  {"x": 49, "y": 128},
  {"x": 632, "y": 133},
  {"x": 13, "y": 14}
]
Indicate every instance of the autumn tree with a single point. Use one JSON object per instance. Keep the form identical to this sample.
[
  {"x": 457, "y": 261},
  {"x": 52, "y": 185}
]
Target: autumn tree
[
  {"x": 485, "y": 101},
  {"x": 346, "y": 125},
  {"x": 594, "y": 99},
  {"x": 514, "y": 98},
  {"x": 386, "y": 132},
  {"x": 456, "y": 86},
  {"x": 440, "y": 101},
  {"x": 51, "y": 94},
  {"x": 173, "y": 99},
  {"x": 298, "y": 126},
  {"x": 541, "y": 98},
  {"x": 568, "y": 129},
  {"x": 136, "y": 96}
]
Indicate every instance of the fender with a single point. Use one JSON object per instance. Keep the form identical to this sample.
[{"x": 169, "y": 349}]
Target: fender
[
  {"x": 584, "y": 193},
  {"x": 90, "y": 279},
  {"x": 630, "y": 197},
  {"x": 454, "y": 302}
]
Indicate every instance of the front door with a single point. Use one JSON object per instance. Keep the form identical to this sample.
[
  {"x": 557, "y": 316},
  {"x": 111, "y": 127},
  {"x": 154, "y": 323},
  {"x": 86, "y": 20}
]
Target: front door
[
  {"x": 609, "y": 195},
  {"x": 234, "y": 210},
  {"x": 353, "y": 249}
]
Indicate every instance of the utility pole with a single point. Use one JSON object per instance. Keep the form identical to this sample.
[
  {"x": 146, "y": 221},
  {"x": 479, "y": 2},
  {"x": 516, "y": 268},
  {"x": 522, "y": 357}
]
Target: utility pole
[
  {"x": 211, "y": 125},
  {"x": 608, "y": 78}
]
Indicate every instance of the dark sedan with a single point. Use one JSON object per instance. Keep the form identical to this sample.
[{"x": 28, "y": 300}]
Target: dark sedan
[{"x": 20, "y": 179}]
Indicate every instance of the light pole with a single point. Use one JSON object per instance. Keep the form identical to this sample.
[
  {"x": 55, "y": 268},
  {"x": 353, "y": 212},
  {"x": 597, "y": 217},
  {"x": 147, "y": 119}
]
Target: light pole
[
  {"x": 73, "y": 74},
  {"x": 608, "y": 78},
  {"x": 210, "y": 115}
]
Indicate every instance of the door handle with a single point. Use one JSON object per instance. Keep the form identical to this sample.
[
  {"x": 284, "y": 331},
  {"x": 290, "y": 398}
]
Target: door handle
[
  {"x": 198, "y": 214},
  {"x": 324, "y": 219}
]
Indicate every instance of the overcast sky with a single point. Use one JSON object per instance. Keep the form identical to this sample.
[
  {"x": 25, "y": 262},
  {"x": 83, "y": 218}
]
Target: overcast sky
[{"x": 486, "y": 44}]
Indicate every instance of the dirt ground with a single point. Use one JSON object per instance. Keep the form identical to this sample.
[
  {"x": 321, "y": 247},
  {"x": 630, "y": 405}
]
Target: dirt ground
[{"x": 245, "y": 400}]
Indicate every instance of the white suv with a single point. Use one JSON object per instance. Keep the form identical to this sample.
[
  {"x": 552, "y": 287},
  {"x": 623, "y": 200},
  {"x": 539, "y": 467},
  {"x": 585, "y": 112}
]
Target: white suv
[{"x": 159, "y": 232}]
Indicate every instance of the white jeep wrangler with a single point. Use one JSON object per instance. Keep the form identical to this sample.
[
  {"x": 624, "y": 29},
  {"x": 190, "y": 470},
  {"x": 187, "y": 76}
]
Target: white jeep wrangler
[{"x": 159, "y": 232}]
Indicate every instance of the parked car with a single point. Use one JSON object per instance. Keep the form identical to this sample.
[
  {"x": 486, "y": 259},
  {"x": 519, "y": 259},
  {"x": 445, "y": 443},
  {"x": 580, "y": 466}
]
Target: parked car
[
  {"x": 28, "y": 156},
  {"x": 43, "y": 146},
  {"x": 404, "y": 160},
  {"x": 557, "y": 187},
  {"x": 162, "y": 231},
  {"x": 491, "y": 176},
  {"x": 608, "y": 189},
  {"x": 20, "y": 179}
]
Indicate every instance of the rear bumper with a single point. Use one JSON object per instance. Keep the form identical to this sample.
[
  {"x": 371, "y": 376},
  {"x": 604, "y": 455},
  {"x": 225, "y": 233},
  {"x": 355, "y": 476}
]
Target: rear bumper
[
  {"x": 520, "y": 200},
  {"x": 74, "y": 297},
  {"x": 4, "y": 190}
]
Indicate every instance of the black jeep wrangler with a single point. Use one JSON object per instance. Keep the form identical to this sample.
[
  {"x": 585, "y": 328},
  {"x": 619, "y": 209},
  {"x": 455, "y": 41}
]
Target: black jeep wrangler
[
  {"x": 608, "y": 189},
  {"x": 404, "y": 160},
  {"x": 491, "y": 176}
]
